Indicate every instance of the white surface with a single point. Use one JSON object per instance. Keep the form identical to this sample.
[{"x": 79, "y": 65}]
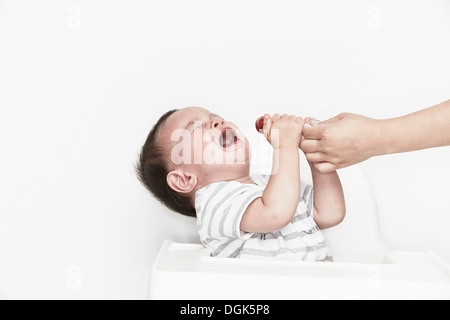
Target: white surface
[
  {"x": 82, "y": 82},
  {"x": 364, "y": 267},
  {"x": 187, "y": 270}
]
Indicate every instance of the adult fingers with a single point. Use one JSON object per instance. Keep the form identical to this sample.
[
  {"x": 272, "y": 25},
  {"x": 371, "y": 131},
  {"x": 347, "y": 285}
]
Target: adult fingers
[
  {"x": 311, "y": 121},
  {"x": 325, "y": 167},
  {"x": 315, "y": 157},
  {"x": 310, "y": 146},
  {"x": 314, "y": 132}
]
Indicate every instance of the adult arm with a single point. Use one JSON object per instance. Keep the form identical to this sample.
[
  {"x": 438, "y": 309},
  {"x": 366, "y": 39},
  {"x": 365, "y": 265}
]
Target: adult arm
[{"x": 348, "y": 139}]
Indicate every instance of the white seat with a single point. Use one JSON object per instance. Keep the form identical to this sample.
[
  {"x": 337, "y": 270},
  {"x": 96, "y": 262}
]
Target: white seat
[
  {"x": 363, "y": 269},
  {"x": 358, "y": 237}
]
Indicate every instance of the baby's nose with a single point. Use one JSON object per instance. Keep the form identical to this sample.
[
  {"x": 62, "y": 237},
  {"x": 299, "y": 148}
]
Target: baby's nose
[{"x": 216, "y": 122}]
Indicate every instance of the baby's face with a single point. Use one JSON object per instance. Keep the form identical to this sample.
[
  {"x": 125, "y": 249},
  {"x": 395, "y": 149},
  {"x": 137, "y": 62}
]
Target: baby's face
[{"x": 198, "y": 137}]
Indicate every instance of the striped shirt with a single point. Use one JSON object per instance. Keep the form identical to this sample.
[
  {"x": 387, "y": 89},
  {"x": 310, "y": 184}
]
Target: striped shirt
[{"x": 220, "y": 207}]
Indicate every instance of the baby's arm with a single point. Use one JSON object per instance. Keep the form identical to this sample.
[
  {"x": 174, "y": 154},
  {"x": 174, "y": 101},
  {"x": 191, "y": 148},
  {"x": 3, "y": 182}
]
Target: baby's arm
[
  {"x": 329, "y": 202},
  {"x": 279, "y": 202}
]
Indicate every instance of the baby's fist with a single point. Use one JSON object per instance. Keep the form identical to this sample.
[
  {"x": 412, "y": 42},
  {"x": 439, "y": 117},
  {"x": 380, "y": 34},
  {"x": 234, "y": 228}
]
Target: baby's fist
[{"x": 286, "y": 131}]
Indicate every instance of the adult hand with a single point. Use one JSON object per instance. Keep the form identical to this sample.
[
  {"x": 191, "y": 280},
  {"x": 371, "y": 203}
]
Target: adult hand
[
  {"x": 350, "y": 138},
  {"x": 340, "y": 141}
]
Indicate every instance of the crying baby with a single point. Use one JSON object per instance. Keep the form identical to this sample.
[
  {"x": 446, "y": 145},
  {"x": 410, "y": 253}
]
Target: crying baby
[{"x": 197, "y": 164}]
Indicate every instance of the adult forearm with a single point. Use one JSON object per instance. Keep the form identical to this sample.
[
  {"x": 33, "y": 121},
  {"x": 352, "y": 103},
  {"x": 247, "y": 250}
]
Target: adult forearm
[{"x": 423, "y": 129}]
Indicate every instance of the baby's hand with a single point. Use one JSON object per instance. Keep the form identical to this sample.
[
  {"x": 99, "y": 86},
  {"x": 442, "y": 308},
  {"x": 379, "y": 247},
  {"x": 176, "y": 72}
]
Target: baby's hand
[{"x": 283, "y": 131}]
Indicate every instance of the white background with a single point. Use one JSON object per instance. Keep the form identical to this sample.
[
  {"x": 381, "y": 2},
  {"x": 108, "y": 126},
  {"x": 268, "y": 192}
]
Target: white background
[{"x": 82, "y": 82}]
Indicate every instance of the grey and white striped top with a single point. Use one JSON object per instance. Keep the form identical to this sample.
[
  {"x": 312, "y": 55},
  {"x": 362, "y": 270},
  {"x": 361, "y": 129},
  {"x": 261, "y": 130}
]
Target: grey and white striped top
[{"x": 220, "y": 207}]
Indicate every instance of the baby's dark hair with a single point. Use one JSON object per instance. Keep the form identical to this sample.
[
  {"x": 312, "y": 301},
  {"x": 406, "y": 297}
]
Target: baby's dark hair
[{"x": 152, "y": 169}]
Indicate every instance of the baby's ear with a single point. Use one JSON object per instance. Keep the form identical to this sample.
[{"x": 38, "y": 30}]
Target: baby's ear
[{"x": 181, "y": 181}]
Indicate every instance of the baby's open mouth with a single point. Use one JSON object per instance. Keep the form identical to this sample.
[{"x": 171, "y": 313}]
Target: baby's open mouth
[{"x": 228, "y": 138}]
